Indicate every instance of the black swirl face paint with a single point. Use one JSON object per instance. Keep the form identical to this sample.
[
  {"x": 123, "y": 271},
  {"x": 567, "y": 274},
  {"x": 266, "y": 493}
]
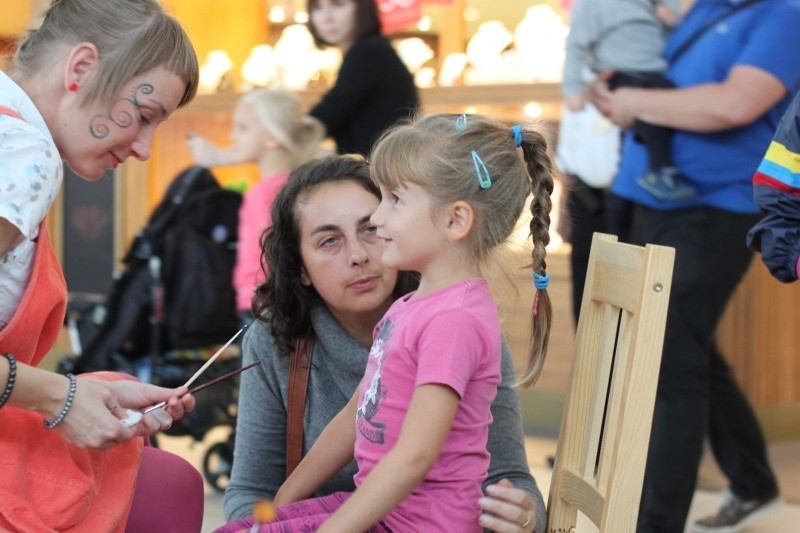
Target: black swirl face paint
[{"x": 120, "y": 113}]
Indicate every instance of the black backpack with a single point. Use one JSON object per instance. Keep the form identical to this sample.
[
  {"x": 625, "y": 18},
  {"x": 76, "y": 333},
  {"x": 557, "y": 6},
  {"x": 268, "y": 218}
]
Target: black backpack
[{"x": 176, "y": 291}]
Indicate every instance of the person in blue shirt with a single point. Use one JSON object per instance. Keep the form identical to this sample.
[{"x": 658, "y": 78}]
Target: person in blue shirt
[{"x": 734, "y": 79}]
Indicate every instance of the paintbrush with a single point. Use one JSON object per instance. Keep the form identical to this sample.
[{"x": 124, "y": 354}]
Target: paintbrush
[
  {"x": 134, "y": 417},
  {"x": 200, "y": 371}
]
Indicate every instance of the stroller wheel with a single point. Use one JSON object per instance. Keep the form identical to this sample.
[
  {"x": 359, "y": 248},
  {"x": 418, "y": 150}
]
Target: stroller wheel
[{"x": 217, "y": 465}]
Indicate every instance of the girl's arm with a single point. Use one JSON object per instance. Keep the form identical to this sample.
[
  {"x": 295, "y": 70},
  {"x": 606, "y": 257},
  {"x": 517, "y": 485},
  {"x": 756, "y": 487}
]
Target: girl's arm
[
  {"x": 425, "y": 429},
  {"x": 329, "y": 454}
]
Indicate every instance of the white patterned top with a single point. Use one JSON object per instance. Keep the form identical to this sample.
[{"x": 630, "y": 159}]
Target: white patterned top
[{"x": 31, "y": 172}]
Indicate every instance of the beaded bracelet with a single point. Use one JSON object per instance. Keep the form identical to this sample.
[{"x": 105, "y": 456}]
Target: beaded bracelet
[
  {"x": 12, "y": 377},
  {"x": 73, "y": 385}
]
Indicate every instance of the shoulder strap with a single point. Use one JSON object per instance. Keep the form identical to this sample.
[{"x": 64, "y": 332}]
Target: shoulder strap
[
  {"x": 299, "y": 367},
  {"x": 710, "y": 24}
]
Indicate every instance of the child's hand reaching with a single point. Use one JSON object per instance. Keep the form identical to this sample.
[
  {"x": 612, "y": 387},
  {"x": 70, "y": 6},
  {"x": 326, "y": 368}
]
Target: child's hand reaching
[{"x": 204, "y": 152}]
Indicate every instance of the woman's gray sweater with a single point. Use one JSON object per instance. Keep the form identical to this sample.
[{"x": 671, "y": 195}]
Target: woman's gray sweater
[{"x": 338, "y": 363}]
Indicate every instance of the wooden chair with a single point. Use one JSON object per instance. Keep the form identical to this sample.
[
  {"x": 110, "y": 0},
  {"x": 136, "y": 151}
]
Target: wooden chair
[{"x": 605, "y": 430}]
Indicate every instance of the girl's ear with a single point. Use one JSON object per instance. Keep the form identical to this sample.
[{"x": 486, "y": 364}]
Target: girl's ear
[
  {"x": 459, "y": 221},
  {"x": 81, "y": 61}
]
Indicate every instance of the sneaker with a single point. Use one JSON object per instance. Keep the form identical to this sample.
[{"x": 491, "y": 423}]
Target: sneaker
[
  {"x": 666, "y": 183},
  {"x": 736, "y": 513}
]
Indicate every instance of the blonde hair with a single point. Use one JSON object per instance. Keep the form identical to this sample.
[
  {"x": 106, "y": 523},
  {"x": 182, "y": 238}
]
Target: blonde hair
[
  {"x": 444, "y": 154},
  {"x": 283, "y": 115},
  {"x": 131, "y": 36}
]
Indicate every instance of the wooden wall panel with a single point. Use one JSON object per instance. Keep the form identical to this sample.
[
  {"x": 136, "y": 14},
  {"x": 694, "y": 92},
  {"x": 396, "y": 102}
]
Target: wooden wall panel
[{"x": 760, "y": 333}]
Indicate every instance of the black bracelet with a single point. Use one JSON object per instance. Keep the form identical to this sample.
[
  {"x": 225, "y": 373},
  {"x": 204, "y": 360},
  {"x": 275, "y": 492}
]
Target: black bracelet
[
  {"x": 73, "y": 384},
  {"x": 12, "y": 377}
]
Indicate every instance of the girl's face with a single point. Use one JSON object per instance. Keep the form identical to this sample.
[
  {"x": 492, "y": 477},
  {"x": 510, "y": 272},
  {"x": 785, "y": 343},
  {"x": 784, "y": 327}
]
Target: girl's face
[
  {"x": 409, "y": 229},
  {"x": 335, "y": 21},
  {"x": 250, "y": 138},
  {"x": 96, "y": 138},
  {"x": 340, "y": 252}
]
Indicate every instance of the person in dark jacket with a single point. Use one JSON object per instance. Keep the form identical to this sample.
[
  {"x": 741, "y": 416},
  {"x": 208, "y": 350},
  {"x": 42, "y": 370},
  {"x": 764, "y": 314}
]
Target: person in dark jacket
[
  {"x": 776, "y": 189},
  {"x": 373, "y": 89}
]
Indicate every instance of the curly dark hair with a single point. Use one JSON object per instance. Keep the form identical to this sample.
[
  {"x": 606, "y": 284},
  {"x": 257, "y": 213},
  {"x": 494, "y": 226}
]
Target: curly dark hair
[{"x": 282, "y": 301}]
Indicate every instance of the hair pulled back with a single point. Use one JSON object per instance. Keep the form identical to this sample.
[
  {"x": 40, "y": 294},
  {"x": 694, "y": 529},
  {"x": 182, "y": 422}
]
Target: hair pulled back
[
  {"x": 131, "y": 36},
  {"x": 446, "y": 154}
]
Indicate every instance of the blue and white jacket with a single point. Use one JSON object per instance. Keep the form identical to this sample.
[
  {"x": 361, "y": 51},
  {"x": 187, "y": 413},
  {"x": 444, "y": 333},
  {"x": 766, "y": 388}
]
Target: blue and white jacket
[{"x": 776, "y": 188}]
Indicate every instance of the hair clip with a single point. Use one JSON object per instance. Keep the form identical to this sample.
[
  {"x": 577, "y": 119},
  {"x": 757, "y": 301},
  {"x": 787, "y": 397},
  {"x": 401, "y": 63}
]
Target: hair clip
[
  {"x": 540, "y": 281},
  {"x": 516, "y": 133},
  {"x": 481, "y": 172},
  {"x": 461, "y": 122}
]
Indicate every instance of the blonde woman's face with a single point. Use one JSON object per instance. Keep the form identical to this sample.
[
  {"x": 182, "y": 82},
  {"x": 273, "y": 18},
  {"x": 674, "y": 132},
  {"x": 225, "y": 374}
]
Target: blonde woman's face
[
  {"x": 97, "y": 138},
  {"x": 250, "y": 138}
]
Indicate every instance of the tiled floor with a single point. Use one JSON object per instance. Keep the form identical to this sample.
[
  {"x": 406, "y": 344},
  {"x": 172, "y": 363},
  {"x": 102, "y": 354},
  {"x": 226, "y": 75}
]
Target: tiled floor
[{"x": 705, "y": 502}]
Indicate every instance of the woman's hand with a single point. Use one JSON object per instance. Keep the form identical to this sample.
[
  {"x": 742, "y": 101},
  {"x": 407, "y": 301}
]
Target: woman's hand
[
  {"x": 138, "y": 396},
  {"x": 507, "y": 509},
  {"x": 94, "y": 421}
]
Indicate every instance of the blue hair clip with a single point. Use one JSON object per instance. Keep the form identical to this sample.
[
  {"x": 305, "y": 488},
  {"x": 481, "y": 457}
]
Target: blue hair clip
[
  {"x": 540, "y": 281},
  {"x": 481, "y": 172},
  {"x": 461, "y": 122},
  {"x": 516, "y": 132}
]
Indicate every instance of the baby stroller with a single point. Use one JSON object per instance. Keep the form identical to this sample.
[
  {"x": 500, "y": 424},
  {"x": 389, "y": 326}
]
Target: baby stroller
[{"x": 171, "y": 306}]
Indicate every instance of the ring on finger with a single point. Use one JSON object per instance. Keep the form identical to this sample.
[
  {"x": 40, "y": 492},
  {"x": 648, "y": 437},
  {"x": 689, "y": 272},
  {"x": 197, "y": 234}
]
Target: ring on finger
[{"x": 527, "y": 520}]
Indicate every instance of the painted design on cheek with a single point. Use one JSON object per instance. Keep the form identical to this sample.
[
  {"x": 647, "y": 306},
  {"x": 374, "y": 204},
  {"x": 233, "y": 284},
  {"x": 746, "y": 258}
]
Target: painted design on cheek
[{"x": 120, "y": 113}]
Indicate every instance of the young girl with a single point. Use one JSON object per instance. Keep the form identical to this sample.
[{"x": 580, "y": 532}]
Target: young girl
[
  {"x": 271, "y": 129},
  {"x": 453, "y": 189}
]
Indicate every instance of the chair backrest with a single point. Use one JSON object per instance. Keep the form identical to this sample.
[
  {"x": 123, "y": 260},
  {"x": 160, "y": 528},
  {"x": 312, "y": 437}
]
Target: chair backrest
[{"x": 605, "y": 430}]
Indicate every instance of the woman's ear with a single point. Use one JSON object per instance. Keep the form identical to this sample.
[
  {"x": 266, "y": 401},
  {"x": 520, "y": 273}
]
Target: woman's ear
[
  {"x": 459, "y": 221},
  {"x": 81, "y": 61},
  {"x": 304, "y": 279}
]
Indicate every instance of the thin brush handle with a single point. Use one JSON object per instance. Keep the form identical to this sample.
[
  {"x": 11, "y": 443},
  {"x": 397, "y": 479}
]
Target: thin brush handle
[
  {"x": 212, "y": 358},
  {"x": 206, "y": 385},
  {"x": 200, "y": 371},
  {"x": 222, "y": 378}
]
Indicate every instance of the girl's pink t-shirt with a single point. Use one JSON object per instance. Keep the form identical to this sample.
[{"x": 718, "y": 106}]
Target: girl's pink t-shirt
[
  {"x": 450, "y": 337},
  {"x": 254, "y": 218}
]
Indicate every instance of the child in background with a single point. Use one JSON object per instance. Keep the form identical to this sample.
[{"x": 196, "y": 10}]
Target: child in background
[
  {"x": 271, "y": 129},
  {"x": 453, "y": 189},
  {"x": 627, "y": 37}
]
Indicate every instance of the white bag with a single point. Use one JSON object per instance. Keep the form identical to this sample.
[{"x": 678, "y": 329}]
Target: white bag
[{"x": 588, "y": 146}]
